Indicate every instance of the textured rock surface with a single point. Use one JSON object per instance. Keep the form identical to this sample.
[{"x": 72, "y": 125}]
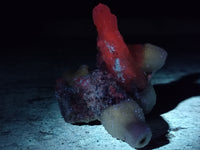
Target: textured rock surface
[{"x": 88, "y": 97}]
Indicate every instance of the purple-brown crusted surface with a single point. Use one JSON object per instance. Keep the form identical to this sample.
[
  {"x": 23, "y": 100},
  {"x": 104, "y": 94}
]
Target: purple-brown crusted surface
[
  {"x": 73, "y": 109},
  {"x": 89, "y": 95}
]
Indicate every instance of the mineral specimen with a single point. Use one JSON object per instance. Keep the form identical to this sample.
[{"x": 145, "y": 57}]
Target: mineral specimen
[{"x": 119, "y": 91}]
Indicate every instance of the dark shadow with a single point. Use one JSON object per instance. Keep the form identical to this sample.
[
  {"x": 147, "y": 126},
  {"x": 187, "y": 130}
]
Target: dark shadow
[
  {"x": 170, "y": 95},
  {"x": 91, "y": 123},
  {"x": 159, "y": 128}
]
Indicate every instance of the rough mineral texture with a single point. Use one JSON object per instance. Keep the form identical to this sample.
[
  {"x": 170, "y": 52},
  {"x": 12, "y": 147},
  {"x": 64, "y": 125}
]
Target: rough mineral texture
[{"x": 89, "y": 95}]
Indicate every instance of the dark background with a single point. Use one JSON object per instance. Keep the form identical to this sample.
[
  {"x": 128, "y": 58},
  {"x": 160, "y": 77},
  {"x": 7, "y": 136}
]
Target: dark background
[
  {"x": 41, "y": 40},
  {"x": 65, "y": 30}
]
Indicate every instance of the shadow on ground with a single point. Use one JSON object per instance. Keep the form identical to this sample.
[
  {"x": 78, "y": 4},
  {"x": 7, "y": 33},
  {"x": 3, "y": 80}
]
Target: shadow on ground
[{"x": 168, "y": 97}]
